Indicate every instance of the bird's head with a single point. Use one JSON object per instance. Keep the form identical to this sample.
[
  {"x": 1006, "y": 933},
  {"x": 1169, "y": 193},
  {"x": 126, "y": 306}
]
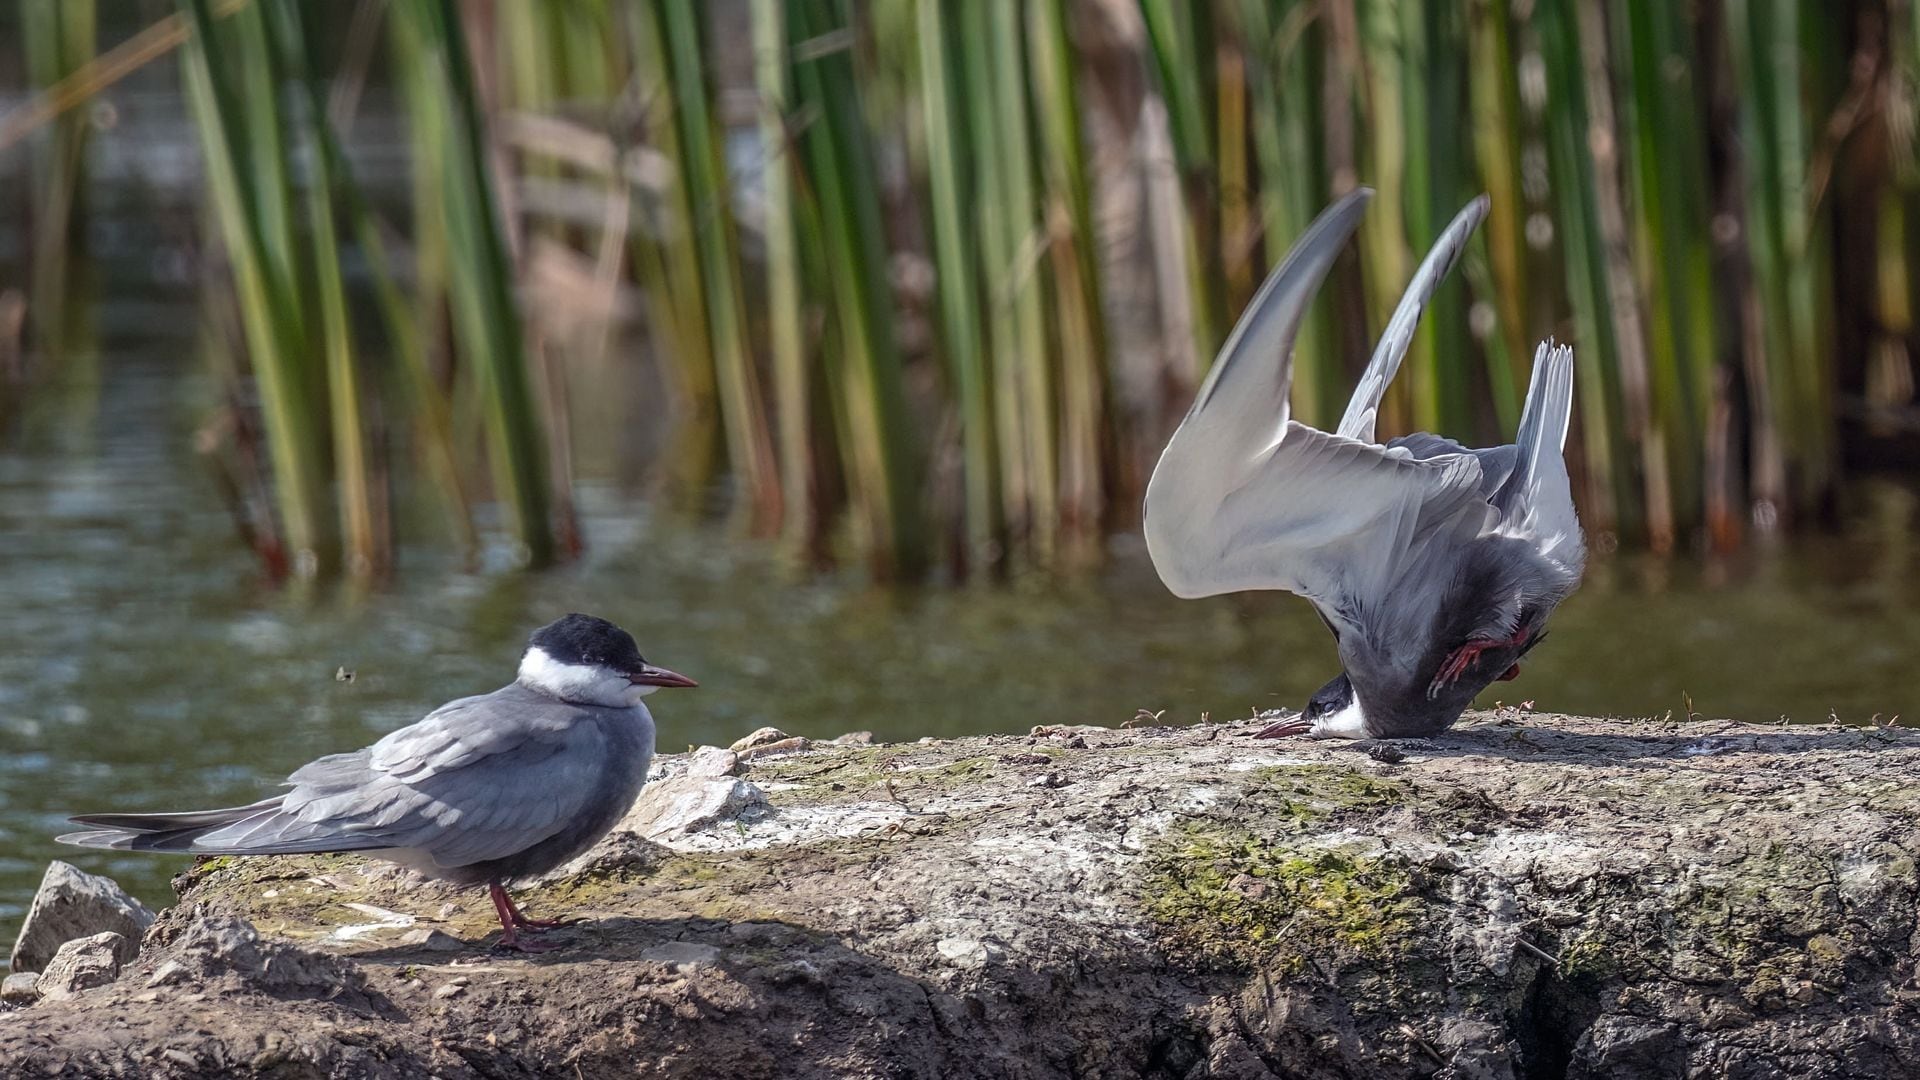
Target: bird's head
[
  {"x": 1333, "y": 712},
  {"x": 591, "y": 661}
]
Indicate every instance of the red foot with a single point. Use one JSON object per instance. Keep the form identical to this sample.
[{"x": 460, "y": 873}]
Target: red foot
[
  {"x": 1462, "y": 658},
  {"x": 511, "y": 941},
  {"x": 1510, "y": 674},
  {"x": 513, "y": 921}
]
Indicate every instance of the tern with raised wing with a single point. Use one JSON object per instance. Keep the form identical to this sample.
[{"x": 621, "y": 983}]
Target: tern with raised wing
[{"x": 1436, "y": 566}]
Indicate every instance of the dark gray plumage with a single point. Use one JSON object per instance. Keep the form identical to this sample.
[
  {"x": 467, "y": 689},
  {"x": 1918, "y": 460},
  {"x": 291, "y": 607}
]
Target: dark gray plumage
[
  {"x": 482, "y": 790},
  {"x": 1435, "y": 565}
]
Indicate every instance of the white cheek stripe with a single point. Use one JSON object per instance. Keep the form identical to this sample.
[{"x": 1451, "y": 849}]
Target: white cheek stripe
[
  {"x": 1349, "y": 723},
  {"x": 577, "y": 682}
]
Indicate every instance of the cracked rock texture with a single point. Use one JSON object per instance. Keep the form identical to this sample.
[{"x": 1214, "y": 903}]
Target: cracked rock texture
[
  {"x": 71, "y": 904},
  {"x": 1529, "y": 896}
]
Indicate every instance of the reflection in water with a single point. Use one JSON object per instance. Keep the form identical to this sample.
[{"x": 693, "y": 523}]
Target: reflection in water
[{"x": 143, "y": 666}]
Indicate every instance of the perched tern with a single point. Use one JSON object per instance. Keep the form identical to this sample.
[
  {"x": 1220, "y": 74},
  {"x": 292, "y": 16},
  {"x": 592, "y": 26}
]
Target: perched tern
[{"x": 481, "y": 791}]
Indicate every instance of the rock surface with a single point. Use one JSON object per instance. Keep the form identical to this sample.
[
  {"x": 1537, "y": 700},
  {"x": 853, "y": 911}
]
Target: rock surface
[
  {"x": 678, "y": 804},
  {"x": 20, "y": 988},
  {"x": 81, "y": 964},
  {"x": 73, "y": 904},
  {"x": 1529, "y": 896}
]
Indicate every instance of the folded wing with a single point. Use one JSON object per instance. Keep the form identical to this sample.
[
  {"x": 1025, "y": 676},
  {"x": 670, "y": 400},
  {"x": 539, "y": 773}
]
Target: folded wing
[{"x": 452, "y": 787}]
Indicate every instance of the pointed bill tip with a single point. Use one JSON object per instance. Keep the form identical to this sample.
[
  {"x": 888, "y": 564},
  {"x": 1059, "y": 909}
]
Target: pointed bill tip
[{"x": 650, "y": 675}]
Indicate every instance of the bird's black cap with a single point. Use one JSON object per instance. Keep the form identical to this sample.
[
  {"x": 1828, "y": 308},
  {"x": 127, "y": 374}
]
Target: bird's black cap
[
  {"x": 584, "y": 639},
  {"x": 1329, "y": 699}
]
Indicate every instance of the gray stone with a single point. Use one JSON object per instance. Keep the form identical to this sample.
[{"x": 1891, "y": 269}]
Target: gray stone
[
  {"x": 668, "y": 808},
  {"x": 969, "y": 953},
  {"x": 20, "y": 988},
  {"x": 74, "y": 904},
  {"x": 793, "y": 744},
  {"x": 620, "y": 851},
  {"x": 170, "y": 973},
  {"x": 218, "y": 945},
  {"x": 713, "y": 761},
  {"x": 761, "y": 737},
  {"x": 81, "y": 964}
]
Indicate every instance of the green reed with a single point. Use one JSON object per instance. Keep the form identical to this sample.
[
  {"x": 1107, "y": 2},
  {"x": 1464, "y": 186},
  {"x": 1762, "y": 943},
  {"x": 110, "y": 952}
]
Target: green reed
[
  {"x": 254, "y": 204},
  {"x": 865, "y": 370},
  {"x": 1664, "y": 181},
  {"x": 58, "y": 38},
  {"x": 950, "y": 150},
  {"x": 709, "y": 217}
]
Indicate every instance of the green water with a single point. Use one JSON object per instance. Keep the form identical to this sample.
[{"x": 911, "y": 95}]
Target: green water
[{"x": 144, "y": 665}]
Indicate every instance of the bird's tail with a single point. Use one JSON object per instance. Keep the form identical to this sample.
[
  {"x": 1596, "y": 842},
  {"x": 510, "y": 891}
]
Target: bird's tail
[
  {"x": 255, "y": 829},
  {"x": 1543, "y": 425}
]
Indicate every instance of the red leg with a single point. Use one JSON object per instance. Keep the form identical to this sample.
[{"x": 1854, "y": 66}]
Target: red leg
[
  {"x": 512, "y": 922},
  {"x": 520, "y": 919},
  {"x": 1462, "y": 658}
]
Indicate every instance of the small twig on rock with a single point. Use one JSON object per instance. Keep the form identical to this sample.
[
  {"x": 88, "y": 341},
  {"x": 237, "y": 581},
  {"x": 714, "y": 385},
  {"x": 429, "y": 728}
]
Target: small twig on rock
[
  {"x": 1538, "y": 951},
  {"x": 1425, "y": 1046}
]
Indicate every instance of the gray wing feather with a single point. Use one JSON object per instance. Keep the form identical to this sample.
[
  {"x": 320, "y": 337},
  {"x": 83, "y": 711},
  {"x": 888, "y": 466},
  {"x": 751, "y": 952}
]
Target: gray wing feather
[
  {"x": 461, "y": 785},
  {"x": 450, "y": 737},
  {"x": 1247, "y": 387},
  {"x": 465, "y": 787},
  {"x": 189, "y": 819},
  {"x": 505, "y": 804},
  {"x": 1364, "y": 406},
  {"x": 1496, "y": 462},
  {"x": 1537, "y": 500},
  {"x": 1244, "y": 498}
]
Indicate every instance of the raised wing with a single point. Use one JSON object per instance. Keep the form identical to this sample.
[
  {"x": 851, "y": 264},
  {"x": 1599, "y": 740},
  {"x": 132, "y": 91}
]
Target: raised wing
[
  {"x": 1243, "y": 498},
  {"x": 1364, "y": 406}
]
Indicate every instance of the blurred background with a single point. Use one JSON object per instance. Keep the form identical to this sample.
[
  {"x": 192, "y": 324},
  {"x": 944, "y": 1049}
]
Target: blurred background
[{"x": 827, "y": 346}]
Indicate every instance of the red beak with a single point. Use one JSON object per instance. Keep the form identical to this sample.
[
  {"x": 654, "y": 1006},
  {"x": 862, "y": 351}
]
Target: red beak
[{"x": 659, "y": 676}]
